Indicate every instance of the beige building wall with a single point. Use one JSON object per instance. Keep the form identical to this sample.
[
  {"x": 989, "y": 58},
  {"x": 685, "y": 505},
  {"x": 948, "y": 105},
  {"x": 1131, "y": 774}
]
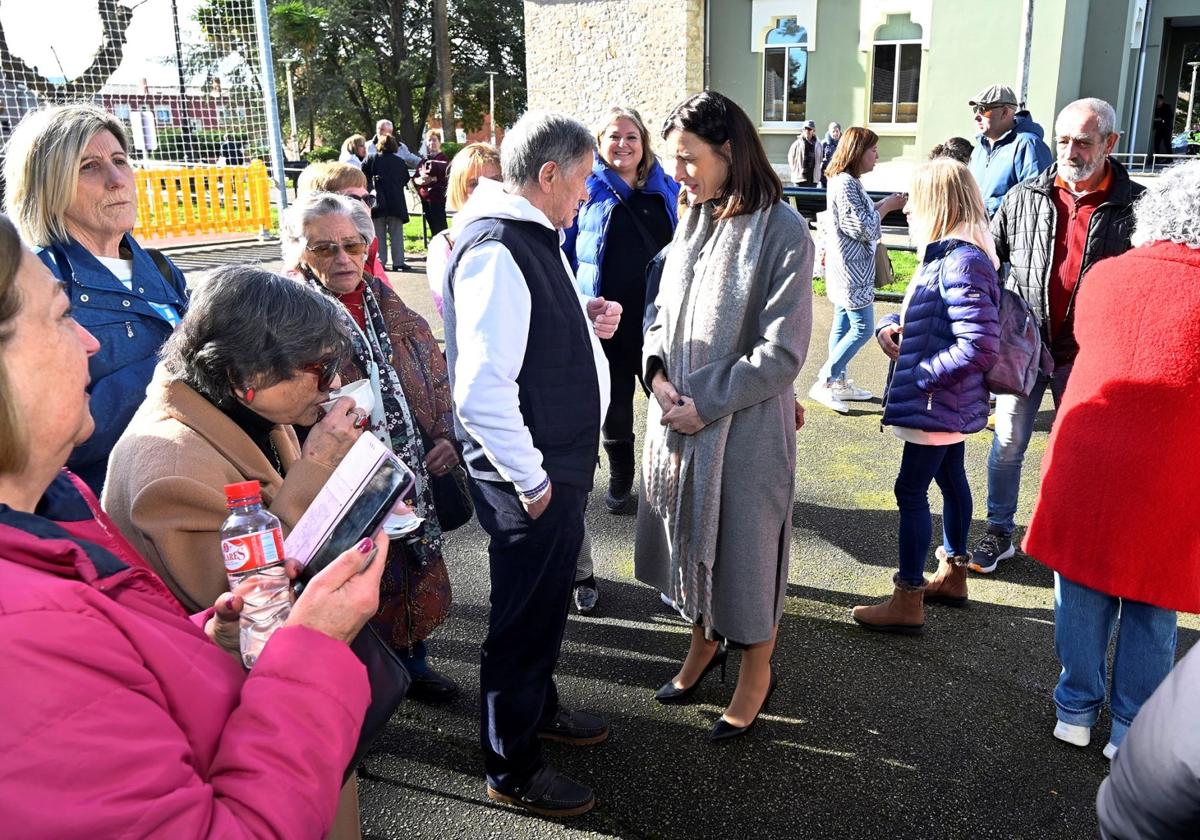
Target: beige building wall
[{"x": 588, "y": 55}]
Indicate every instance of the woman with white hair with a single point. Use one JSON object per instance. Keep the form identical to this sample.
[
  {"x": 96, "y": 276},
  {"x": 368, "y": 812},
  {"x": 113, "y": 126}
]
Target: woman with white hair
[
  {"x": 324, "y": 239},
  {"x": 1117, "y": 512},
  {"x": 72, "y": 196}
]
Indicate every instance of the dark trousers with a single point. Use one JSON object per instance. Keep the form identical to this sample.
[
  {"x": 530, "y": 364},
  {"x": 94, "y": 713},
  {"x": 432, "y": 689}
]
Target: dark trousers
[
  {"x": 532, "y": 564},
  {"x": 623, "y": 381},
  {"x": 919, "y": 466},
  {"x": 435, "y": 216}
]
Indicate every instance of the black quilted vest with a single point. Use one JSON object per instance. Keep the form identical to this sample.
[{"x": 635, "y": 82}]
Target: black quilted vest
[{"x": 558, "y": 387}]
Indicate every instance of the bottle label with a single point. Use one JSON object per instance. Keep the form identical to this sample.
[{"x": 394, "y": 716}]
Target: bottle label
[{"x": 252, "y": 551}]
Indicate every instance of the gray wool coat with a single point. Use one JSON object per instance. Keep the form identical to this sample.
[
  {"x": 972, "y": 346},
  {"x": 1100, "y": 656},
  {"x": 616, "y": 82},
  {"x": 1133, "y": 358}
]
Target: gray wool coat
[{"x": 755, "y": 386}]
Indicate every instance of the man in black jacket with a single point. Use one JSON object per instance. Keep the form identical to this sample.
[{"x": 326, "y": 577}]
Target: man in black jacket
[{"x": 1051, "y": 229}]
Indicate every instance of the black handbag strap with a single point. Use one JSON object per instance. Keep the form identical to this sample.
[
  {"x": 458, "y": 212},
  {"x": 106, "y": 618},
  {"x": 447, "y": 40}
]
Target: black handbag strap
[{"x": 653, "y": 246}]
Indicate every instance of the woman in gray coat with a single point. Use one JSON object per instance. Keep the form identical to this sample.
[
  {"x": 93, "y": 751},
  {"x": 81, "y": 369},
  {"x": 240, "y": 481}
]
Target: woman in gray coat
[{"x": 730, "y": 336}]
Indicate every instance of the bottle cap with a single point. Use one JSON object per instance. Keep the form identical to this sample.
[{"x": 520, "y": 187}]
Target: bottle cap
[{"x": 242, "y": 493}]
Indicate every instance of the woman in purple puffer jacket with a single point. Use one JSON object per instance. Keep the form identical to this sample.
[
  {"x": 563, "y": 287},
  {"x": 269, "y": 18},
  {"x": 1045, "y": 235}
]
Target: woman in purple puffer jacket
[{"x": 936, "y": 394}]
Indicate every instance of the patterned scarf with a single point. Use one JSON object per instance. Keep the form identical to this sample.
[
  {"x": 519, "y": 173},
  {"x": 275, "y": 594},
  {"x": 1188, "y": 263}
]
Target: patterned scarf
[
  {"x": 392, "y": 420},
  {"x": 706, "y": 284}
]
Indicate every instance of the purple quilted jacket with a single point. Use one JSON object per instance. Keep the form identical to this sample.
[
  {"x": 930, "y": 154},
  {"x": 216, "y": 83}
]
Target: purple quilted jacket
[{"x": 951, "y": 337}]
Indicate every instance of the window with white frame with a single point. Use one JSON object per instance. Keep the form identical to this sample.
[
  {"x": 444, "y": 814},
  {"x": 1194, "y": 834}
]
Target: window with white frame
[
  {"x": 162, "y": 114},
  {"x": 785, "y": 72},
  {"x": 896, "y": 71}
]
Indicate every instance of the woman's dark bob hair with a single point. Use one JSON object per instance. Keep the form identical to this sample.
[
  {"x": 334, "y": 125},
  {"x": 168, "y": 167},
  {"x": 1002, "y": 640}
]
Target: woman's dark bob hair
[
  {"x": 716, "y": 119},
  {"x": 246, "y": 327}
]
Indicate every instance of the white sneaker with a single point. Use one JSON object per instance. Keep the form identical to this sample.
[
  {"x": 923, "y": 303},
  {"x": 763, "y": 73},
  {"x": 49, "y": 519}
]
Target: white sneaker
[
  {"x": 1110, "y": 750},
  {"x": 1079, "y": 736},
  {"x": 846, "y": 391},
  {"x": 822, "y": 393}
]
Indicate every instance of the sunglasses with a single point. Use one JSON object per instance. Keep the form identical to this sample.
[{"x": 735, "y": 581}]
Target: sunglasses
[
  {"x": 984, "y": 109},
  {"x": 328, "y": 250},
  {"x": 325, "y": 370},
  {"x": 367, "y": 199}
]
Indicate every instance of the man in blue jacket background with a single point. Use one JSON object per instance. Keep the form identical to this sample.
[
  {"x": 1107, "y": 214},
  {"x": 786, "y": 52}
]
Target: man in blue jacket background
[{"x": 1010, "y": 148}]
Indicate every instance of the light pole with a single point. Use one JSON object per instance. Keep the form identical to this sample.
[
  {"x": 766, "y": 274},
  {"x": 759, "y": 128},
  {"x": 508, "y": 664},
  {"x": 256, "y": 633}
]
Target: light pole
[
  {"x": 1191, "y": 96},
  {"x": 287, "y": 69},
  {"x": 492, "y": 99}
]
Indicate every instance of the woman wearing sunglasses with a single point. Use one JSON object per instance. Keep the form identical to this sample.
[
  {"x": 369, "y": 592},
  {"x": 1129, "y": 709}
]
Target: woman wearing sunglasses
[
  {"x": 345, "y": 179},
  {"x": 257, "y": 355},
  {"x": 324, "y": 240}
]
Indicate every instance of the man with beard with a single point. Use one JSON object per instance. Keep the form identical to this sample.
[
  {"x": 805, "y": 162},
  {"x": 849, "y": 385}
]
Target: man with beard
[{"x": 1050, "y": 230}]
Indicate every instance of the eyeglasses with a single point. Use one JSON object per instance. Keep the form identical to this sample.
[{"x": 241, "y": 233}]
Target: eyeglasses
[
  {"x": 325, "y": 370},
  {"x": 984, "y": 109},
  {"x": 366, "y": 199},
  {"x": 328, "y": 250}
]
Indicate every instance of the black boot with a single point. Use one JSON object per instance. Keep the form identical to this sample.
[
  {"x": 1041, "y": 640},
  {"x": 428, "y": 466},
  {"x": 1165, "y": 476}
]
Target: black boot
[{"x": 619, "y": 499}]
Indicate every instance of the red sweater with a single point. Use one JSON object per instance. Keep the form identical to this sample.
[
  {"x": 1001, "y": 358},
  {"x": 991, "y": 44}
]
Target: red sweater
[
  {"x": 1072, "y": 217},
  {"x": 1118, "y": 509}
]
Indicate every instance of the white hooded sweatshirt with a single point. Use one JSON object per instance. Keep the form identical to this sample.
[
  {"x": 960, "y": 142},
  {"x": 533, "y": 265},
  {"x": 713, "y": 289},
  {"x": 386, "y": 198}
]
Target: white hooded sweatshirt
[{"x": 492, "y": 316}]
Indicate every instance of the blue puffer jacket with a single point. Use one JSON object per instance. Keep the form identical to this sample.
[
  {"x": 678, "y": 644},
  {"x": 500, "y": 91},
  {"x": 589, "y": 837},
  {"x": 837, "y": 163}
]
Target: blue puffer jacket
[
  {"x": 585, "y": 240},
  {"x": 951, "y": 337},
  {"x": 130, "y": 332},
  {"x": 1017, "y": 156}
]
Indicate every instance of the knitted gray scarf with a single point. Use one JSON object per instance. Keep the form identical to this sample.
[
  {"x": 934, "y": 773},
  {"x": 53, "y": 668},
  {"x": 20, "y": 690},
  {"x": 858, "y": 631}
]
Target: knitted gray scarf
[{"x": 706, "y": 283}]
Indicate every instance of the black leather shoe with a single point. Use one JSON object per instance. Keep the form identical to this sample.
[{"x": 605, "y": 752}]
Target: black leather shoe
[
  {"x": 578, "y": 728},
  {"x": 548, "y": 793},
  {"x": 723, "y": 730},
  {"x": 432, "y": 687},
  {"x": 669, "y": 694}
]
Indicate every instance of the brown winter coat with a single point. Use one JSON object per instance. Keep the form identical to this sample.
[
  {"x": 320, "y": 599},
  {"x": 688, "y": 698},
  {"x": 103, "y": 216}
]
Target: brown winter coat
[{"x": 166, "y": 482}]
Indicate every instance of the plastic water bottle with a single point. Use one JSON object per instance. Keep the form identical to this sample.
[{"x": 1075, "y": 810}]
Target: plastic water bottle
[{"x": 252, "y": 546}]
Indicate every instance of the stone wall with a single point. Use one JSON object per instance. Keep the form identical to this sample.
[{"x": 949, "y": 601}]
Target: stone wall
[{"x": 583, "y": 56}]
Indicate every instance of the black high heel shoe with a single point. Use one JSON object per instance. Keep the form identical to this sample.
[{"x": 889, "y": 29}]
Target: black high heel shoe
[
  {"x": 723, "y": 730},
  {"x": 669, "y": 694}
]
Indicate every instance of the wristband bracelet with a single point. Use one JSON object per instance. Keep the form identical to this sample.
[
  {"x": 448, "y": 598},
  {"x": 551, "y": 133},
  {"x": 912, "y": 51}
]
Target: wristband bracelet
[{"x": 536, "y": 493}]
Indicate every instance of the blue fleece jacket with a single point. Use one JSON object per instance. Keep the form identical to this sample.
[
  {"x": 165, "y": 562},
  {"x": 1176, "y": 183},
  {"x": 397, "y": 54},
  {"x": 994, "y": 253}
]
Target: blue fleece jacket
[
  {"x": 586, "y": 239},
  {"x": 1015, "y": 157}
]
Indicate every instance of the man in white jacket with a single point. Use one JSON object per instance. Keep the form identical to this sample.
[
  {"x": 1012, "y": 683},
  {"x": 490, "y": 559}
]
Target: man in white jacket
[{"x": 530, "y": 383}]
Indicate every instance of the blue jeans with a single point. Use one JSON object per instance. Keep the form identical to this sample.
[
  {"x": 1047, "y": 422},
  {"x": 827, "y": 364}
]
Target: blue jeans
[
  {"x": 852, "y": 328},
  {"x": 1014, "y": 427},
  {"x": 1084, "y": 621},
  {"x": 920, "y": 465}
]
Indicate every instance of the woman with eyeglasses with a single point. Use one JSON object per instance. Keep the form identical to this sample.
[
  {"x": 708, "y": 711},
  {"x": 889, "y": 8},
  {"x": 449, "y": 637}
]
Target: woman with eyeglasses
[
  {"x": 324, "y": 239},
  {"x": 344, "y": 179},
  {"x": 257, "y": 355}
]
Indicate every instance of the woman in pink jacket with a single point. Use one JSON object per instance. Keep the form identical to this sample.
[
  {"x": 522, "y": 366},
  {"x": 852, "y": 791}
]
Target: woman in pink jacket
[{"x": 122, "y": 715}]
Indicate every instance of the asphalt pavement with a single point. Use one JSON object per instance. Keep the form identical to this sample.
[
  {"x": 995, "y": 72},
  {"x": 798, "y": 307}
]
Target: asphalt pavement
[{"x": 868, "y": 736}]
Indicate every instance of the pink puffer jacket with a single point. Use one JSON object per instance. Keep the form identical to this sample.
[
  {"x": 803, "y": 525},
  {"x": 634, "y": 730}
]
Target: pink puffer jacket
[{"x": 121, "y": 719}]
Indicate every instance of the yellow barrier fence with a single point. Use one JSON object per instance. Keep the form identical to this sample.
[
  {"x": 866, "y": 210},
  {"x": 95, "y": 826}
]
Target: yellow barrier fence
[{"x": 185, "y": 201}]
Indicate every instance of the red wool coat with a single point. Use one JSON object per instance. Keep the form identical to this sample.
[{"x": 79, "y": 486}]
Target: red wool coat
[{"x": 1119, "y": 507}]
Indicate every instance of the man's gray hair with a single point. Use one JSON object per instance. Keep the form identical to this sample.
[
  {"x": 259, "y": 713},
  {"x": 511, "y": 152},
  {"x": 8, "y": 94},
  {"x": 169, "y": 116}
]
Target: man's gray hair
[
  {"x": 294, "y": 223},
  {"x": 538, "y": 138},
  {"x": 1106, "y": 117},
  {"x": 1169, "y": 209},
  {"x": 380, "y": 125}
]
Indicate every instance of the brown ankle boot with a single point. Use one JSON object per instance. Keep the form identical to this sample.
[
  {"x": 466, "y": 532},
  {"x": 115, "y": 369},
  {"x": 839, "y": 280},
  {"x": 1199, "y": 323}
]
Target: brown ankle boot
[
  {"x": 904, "y": 612},
  {"x": 949, "y": 585}
]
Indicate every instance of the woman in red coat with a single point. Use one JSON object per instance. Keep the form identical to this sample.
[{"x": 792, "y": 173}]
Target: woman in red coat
[{"x": 1118, "y": 516}]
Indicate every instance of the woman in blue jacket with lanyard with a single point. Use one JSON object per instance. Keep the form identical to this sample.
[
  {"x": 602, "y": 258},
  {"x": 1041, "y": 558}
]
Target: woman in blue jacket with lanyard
[
  {"x": 629, "y": 217},
  {"x": 71, "y": 193}
]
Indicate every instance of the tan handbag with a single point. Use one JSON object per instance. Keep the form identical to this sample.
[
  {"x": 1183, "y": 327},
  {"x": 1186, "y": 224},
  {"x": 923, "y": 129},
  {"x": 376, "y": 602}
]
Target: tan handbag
[{"x": 883, "y": 267}]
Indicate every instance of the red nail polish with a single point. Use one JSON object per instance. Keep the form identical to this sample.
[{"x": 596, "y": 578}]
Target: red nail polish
[{"x": 366, "y": 545}]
